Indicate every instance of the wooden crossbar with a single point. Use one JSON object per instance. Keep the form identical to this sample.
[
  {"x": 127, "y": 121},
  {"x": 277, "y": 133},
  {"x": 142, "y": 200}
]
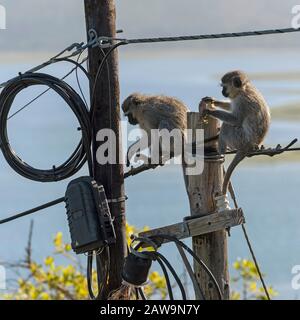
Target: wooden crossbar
[{"x": 198, "y": 226}]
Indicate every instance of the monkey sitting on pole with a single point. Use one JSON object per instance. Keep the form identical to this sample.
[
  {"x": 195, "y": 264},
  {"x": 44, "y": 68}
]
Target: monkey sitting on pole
[
  {"x": 246, "y": 118},
  {"x": 156, "y": 112}
]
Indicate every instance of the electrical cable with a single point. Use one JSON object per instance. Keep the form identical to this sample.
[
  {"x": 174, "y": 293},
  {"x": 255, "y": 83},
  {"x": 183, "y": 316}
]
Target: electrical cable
[
  {"x": 136, "y": 294},
  {"x": 102, "y": 273},
  {"x": 78, "y": 81},
  {"x": 89, "y": 273},
  {"x": 198, "y": 291},
  {"x": 210, "y": 36},
  {"x": 74, "y": 163},
  {"x": 151, "y": 255},
  {"x": 33, "y": 210},
  {"x": 73, "y": 156},
  {"x": 233, "y": 197},
  {"x": 141, "y": 292},
  {"x": 192, "y": 253},
  {"x": 77, "y": 65},
  {"x": 159, "y": 256},
  {"x": 103, "y": 61},
  {"x": 165, "y": 272}
]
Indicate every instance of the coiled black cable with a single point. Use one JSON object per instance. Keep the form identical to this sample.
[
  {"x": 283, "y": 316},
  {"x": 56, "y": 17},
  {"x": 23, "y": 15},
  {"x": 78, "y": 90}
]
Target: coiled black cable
[{"x": 82, "y": 153}]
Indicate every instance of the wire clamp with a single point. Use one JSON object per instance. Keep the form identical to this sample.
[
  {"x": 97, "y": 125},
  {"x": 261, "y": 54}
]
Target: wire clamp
[{"x": 98, "y": 41}]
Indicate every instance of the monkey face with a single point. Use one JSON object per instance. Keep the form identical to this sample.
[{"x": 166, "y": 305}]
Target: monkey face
[
  {"x": 230, "y": 90},
  {"x": 233, "y": 82},
  {"x": 131, "y": 119},
  {"x": 130, "y": 107},
  {"x": 225, "y": 92}
]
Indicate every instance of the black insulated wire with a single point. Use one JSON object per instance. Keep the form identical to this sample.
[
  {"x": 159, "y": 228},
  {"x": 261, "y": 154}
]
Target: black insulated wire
[
  {"x": 83, "y": 151},
  {"x": 33, "y": 210},
  {"x": 159, "y": 256},
  {"x": 197, "y": 259},
  {"x": 78, "y": 152}
]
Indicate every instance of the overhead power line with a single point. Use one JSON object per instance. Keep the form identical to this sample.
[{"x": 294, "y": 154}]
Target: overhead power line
[{"x": 211, "y": 36}]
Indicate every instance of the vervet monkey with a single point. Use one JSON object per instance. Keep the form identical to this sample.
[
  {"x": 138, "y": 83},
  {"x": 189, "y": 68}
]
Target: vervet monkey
[
  {"x": 246, "y": 118},
  {"x": 155, "y": 112}
]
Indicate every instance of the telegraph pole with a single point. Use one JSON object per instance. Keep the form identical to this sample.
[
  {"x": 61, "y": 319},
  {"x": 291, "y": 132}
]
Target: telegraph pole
[
  {"x": 101, "y": 16},
  {"x": 202, "y": 189}
]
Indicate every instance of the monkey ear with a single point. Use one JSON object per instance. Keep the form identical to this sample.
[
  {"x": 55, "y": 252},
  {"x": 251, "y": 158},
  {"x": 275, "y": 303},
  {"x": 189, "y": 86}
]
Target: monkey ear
[{"x": 237, "y": 82}]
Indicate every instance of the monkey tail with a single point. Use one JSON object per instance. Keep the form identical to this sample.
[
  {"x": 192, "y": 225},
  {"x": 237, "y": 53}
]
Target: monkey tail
[{"x": 236, "y": 160}]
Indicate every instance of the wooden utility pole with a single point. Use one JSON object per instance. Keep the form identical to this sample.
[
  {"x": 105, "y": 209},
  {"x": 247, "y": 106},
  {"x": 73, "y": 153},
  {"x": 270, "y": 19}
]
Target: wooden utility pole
[
  {"x": 202, "y": 189},
  {"x": 101, "y": 16}
]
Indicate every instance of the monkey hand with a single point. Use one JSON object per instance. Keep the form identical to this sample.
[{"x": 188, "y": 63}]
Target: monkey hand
[
  {"x": 203, "y": 104},
  {"x": 208, "y": 100},
  {"x": 206, "y": 112}
]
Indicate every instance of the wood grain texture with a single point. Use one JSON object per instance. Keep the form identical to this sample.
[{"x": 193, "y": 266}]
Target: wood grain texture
[
  {"x": 101, "y": 16},
  {"x": 202, "y": 189},
  {"x": 199, "y": 226}
]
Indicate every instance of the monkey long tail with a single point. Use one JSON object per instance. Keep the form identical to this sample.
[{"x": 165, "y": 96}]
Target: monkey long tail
[{"x": 236, "y": 160}]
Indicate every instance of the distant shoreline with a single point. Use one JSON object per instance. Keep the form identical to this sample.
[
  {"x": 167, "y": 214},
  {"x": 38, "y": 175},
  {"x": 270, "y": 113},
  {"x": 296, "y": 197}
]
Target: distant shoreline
[{"x": 146, "y": 51}]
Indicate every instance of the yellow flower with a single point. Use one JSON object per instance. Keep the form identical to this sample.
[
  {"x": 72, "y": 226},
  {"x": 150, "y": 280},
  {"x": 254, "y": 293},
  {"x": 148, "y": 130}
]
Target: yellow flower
[
  {"x": 154, "y": 276},
  {"x": 49, "y": 261},
  {"x": 45, "y": 296},
  {"x": 235, "y": 296},
  {"x": 83, "y": 292},
  {"x": 253, "y": 286},
  {"x": 236, "y": 265},
  {"x": 44, "y": 281},
  {"x": 68, "y": 271},
  {"x": 33, "y": 267},
  {"x": 68, "y": 247},
  {"x": 58, "y": 241}
]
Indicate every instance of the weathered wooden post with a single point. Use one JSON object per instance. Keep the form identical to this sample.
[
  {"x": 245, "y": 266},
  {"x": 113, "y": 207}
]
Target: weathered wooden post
[
  {"x": 202, "y": 188},
  {"x": 101, "y": 16}
]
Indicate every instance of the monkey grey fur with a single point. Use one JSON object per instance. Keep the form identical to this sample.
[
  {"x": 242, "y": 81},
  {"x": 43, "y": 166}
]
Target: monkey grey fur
[
  {"x": 246, "y": 118},
  {"x": 155, "y": 112}
]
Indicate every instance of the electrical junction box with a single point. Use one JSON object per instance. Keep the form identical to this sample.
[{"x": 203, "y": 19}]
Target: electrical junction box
[{"x": 90, "y": 223}]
